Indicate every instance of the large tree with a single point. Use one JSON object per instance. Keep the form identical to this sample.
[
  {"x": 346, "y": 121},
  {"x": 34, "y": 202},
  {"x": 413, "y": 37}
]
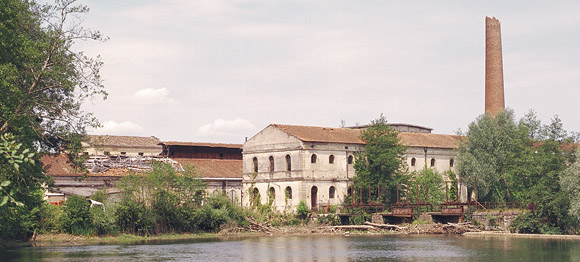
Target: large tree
[
  {"x": 43, "y": 82},
  {"x": 489, "y": 159},
  {"x": 381, "y": 163}
]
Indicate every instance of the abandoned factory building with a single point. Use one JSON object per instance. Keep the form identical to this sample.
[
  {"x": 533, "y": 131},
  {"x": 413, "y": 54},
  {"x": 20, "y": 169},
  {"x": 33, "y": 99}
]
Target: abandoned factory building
[{"x": 288, "y": 163}]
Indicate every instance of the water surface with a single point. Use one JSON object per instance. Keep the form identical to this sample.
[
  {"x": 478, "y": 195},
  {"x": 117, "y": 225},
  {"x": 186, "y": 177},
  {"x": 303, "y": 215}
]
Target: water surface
[{"x": 314, "y": 248}]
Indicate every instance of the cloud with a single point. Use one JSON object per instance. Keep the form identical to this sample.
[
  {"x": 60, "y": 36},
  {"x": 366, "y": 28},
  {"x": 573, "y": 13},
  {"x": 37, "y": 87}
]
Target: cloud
[
  {"x": 154, "y": 96},
  {"x": 114, "y": 128},
  {"x": 221, "y": 127}
]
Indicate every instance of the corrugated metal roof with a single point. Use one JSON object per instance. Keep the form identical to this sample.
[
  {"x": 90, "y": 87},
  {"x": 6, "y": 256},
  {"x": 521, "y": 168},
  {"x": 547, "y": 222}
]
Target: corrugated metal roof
[
  {"x": 215, "y": 145},
  {"x": 124, "y": 141}
]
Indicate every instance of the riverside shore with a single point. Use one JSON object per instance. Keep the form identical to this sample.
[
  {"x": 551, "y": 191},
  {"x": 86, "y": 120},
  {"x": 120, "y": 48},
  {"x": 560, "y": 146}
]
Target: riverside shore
[{"x": 408, "y": 229}]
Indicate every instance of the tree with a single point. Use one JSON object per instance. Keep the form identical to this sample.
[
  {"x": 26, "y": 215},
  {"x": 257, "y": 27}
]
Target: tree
[
  {"x": 430, "y": 183},
  {"x": 570, "y": 183},
  {"x": 489, "y": 156},
  {"x": 381, "y": 163},
  {"x": 43, "y": 82}
]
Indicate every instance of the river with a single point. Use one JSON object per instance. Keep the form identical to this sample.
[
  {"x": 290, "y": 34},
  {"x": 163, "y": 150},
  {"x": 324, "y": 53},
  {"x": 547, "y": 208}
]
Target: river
[{"x": 314, "y": 248}]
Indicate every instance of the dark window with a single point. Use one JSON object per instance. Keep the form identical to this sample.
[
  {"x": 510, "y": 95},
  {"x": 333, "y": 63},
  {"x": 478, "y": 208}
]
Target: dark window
[
  {"x": 313, "y": 159},
  {"x": 123, "y": 153},
  {"x": 451, "y": 162},
  {"x": 413, "y": 161},
  {"x": 331, "y": 192},
  {"x": 350, "y": 160},
  {"x": 271, "y": 158},
  {"x": 288, "y": 163},
  {"x": 432, "y": 161},
  {"x": 331, "y": 159},
  {"x": 140, "y": 153},
  {"x": 221, "y": 155},
  {"x": 349, "y": 191},
  {"x": 86, "y": 153},
  {"x": 272, "y": 193},
  {"x": 288, "y": 192},
  {"x": 255, "y": 160},
  {"x": 256, "y": 195}
]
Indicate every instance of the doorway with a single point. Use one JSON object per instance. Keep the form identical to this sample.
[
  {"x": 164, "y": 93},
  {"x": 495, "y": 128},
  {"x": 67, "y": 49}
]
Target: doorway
[{"x": 314, "y": 197}]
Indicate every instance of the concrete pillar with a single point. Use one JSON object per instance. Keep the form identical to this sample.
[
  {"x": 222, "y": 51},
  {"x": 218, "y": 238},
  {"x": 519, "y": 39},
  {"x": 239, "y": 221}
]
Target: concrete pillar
[{"x": 494, "y": 95}]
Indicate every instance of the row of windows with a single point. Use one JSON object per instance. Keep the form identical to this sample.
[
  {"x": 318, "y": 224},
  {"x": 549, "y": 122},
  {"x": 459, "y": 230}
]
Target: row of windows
[
  {"x": 288, "y": 192},
  {"x": 314, "y": 159},
  {"x": 289, "y": 162},
  {"x": 414, "y": 162}
]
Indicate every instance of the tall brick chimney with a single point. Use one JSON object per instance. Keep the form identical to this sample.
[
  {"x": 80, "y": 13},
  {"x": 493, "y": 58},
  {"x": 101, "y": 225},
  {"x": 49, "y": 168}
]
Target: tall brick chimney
[{"x": 494, "y": 96}]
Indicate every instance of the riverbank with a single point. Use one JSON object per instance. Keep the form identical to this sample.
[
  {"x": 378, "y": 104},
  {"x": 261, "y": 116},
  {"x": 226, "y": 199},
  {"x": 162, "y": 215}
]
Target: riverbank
[{"x": 234, "y": 232}]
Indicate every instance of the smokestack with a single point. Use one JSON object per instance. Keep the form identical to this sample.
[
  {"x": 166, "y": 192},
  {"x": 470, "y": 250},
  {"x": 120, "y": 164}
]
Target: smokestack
[{"x": 494, "y": 96}]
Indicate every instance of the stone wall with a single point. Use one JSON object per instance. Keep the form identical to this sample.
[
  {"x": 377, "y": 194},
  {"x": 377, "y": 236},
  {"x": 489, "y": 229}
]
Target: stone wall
[{"x": 500, "y": 220}]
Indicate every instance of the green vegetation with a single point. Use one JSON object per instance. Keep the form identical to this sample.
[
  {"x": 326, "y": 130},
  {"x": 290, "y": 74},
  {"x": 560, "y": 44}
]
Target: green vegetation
[
  {"x": 43, "y": 82},
  {"x": 523, "y": 161},
  {"x": 430, "y": 183},
  {"x": 382, "y": 163}
]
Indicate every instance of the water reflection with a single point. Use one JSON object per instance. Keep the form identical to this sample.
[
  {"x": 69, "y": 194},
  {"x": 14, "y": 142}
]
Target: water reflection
[{"x": 314, "y": 248}]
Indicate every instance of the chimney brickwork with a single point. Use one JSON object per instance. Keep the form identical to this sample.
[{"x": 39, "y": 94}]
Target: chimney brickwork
[{"x": 494, "y": 94}]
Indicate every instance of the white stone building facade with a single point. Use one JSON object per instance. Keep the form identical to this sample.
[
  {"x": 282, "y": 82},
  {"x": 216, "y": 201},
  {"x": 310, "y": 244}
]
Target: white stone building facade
[{"x": 286, "y": 164}]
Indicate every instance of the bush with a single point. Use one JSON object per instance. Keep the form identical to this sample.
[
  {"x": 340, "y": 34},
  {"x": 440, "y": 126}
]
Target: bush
[
  {"x": 103, "y": 221},
  {"x": 134, "y": 218},
  {"x": 329, "y": 219},
  {"x": 302, "y": 210},
  {"x": 76, "y": 217},
  {"x": 359, "y": 217},
  {"x": 49, "y": 218}
]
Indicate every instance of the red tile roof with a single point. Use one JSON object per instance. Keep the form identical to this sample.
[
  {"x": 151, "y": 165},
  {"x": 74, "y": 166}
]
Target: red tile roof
[
  {"x": 322, "y": 134},
  {"x": 352, "y": 136},
  {"x": 214, "y": 168},
  {"x": 59, "y": 165}
]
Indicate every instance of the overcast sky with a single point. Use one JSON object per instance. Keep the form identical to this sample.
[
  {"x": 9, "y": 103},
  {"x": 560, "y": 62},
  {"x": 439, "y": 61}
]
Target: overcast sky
[{"x": 220, "y": 71}]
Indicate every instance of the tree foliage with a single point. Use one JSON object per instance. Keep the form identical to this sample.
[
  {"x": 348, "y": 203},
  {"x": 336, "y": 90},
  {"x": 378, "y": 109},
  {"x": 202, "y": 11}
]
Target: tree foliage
[
  {"x": 381, "y": 163},
  {"x": 426, "y": 185},
  {"x": 521, "y": 161},
  {"x": 490, "y": 156},
  {"x": 43, "y": 82}
]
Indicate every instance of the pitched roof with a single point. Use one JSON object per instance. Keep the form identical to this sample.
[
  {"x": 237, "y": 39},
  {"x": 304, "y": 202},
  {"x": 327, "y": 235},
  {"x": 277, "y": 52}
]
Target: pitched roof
[
  {"x": 323, "y": 134},
  {"x": 59, "y": 165},
  {"x": 214, "y": 168},
  {"x": 124, "y": 141},
  {"x": 352, "y": 136},
  {"x": 429, "y": 140},
  {"x": 216, "y": 145}
]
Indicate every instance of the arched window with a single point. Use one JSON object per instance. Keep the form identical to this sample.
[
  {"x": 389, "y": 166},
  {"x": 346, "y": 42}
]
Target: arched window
[
  {"x": 451, "y": 162},
  {"x": 313, "y": 159},
  {"x": 272, "y": 193},
  {"x": 256, "y": 196},
  {"x": 271, "y": 158},
  {"x": 255, "y": 160},
  {"x": 350, "y": 160},
  {"x": 331, "y": 192},
  {"x": 432, "y": 162},
  {"x": 288, "y": 192},
  {"x": 288, "y": 163},
  {"x": 331, "y": 159},
  {"x": 349, "y": 191},
  {"x": 256, "y": 192},
  {"x": 413, "y": 161}
]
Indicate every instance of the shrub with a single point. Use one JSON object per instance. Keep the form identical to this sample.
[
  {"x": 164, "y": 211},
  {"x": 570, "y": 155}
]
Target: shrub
[
  {"x": 301, "y": 210},
  {"x": 76, "y": 217}
]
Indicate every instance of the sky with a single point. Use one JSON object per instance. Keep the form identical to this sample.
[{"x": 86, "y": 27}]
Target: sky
[{"x": 221, "y": 71}]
